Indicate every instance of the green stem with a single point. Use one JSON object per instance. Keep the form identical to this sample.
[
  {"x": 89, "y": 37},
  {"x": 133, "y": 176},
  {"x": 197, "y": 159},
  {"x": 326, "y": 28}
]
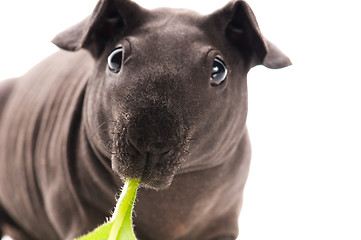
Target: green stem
[
  {"x": 124, "y": 207},
  {"x": 120, "y": 225}
]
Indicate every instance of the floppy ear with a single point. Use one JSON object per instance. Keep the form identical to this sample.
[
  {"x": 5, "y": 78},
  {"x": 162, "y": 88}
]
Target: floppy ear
[
  {"x": 243, "y": 31},
  {"x": 109, "y": 19}
]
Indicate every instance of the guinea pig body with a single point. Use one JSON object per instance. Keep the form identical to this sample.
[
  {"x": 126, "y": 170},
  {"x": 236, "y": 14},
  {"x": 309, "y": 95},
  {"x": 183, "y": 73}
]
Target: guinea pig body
[{"x": 157, "y": 95}]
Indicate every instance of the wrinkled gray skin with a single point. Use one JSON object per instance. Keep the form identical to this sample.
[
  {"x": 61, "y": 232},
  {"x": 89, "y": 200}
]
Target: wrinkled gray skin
[{"x": 72, "y": 130}]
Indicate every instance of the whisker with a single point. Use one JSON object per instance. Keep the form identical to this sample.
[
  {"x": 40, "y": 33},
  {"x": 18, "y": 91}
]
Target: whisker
[
  {"x": 191, "y": 139},
  {"x": 107, "y": 145},
  {"x": 102, "y": 125},
  {"x": 115, "y": 133}
]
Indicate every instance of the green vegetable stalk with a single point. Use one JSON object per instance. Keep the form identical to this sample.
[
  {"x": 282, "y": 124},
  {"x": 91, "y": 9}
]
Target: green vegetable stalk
[{"x": 120, "y": 225}]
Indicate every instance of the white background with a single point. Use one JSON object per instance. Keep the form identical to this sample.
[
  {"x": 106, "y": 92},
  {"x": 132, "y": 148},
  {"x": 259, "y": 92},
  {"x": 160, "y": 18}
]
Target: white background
[{"x": 304, "y": 121}]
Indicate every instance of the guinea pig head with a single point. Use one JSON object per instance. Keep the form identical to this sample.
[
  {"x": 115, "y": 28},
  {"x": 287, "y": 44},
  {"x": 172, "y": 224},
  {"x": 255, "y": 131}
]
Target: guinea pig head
[{"x": 169, "y": 90}]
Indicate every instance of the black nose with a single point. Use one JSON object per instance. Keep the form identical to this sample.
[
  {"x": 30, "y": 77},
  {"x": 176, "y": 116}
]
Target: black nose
[{"x": 153, "y": 130}]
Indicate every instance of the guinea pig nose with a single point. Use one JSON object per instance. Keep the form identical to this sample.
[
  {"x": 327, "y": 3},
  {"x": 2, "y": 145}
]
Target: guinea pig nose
[{"x": 153, "y": 131}]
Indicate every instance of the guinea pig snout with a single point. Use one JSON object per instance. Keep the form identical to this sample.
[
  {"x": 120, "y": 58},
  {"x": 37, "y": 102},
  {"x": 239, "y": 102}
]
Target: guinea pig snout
[
  {"x": 154, "y": 131},
  {"x": 151, "y": 146}
]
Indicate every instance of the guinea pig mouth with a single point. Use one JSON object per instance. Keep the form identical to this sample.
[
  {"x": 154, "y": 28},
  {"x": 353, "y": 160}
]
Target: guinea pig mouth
[
  {"x": 155, "y": 169},
  {"x": 160, "y": 170}
]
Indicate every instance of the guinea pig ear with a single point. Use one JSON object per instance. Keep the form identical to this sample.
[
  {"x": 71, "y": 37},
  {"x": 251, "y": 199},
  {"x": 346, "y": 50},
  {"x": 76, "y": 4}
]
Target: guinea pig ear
[
  {"x": 243, "y": 31},
  {"x": 110, "y": 18}
]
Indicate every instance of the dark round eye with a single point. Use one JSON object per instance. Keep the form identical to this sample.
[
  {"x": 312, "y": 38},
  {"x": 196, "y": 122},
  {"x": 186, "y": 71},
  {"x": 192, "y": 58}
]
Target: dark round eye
[
  {"x": 115, "y": 60},
  {"x": 219, "y": 73}
]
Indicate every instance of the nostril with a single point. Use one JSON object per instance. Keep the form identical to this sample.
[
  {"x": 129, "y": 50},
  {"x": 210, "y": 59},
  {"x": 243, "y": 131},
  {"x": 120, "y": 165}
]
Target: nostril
[
  {"x": 164, "y": 148},
  {"x": 152, "y": 144},
  {"x": 167, "y": 152},
  {"x": 133, "y": 145},
  {"x": 153, "y": 130},
  {"x": 154, "y": 149},
  {"x": 142, "y": 142}
]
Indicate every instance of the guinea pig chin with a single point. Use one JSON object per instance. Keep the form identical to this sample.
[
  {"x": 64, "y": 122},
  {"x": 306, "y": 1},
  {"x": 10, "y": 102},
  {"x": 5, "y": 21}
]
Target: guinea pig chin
[{"x": 150, "y": 147}]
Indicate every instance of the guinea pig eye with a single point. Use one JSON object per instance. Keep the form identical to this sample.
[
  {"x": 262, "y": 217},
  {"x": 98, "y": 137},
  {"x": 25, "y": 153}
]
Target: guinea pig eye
[
  {"x": 219, "y": 73},
  {"x": 115, "y": 60}
]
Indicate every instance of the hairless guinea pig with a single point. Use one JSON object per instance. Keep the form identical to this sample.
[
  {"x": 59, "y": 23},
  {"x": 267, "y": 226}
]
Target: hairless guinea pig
[{"x": 159, "y": 95}]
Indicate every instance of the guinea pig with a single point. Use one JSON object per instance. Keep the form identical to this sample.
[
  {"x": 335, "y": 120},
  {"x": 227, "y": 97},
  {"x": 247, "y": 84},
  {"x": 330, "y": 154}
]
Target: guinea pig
[{"x": 157, "y": 95}]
